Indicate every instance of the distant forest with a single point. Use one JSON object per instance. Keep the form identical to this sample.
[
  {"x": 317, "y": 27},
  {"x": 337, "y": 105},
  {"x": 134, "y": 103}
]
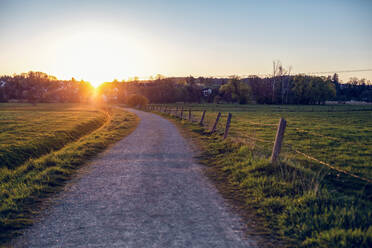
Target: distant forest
[
  {"x": 40, "y": 87},
  {"x": 283, "y": 89}
]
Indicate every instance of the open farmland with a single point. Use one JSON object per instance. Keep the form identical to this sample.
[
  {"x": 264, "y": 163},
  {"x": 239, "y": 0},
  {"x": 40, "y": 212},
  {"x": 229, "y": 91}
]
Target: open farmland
[
  {"x": 338, "y": 135},
  {"x": 40, "y": 148},
  {"x": 28, "y": 132},
  {"x": 319, "y": 194}
]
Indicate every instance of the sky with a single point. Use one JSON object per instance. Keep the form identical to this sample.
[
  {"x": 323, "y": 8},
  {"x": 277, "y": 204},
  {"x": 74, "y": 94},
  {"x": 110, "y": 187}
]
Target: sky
[{"x": 104, "y": 40}]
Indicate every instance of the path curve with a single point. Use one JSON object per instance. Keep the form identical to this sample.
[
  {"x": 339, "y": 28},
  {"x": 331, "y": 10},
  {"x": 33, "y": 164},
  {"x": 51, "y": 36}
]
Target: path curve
[{"x": 145, "y": 191}]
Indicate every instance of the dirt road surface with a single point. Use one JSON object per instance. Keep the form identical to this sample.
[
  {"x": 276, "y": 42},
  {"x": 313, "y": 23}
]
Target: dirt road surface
[{"x": 145, "y": 191}]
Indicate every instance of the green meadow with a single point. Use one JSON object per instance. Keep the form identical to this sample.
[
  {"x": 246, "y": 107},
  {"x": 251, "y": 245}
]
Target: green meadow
[
  {"x": 42, "y": 146},
  {"x": 338, "y": 135},
  {"x": 300, "y": 200}
]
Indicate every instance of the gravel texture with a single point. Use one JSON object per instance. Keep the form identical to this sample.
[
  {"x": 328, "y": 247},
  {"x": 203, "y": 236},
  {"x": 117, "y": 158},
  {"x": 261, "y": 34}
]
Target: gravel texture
[{"x": 145, "y": 191}]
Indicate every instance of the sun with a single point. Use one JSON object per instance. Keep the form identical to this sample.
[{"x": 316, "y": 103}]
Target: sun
[
  {"x": 98, "y": 55},
  {"x": 95, "y": 83}
]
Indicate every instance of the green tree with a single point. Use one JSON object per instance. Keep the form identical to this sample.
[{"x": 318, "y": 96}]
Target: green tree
[
  {"x": 137, "y": 101},
  {"x": 235, "y": 91}
]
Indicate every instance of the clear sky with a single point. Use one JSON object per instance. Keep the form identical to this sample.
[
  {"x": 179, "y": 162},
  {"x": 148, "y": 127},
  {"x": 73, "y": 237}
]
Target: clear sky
[{"x": 102, "y": 40}]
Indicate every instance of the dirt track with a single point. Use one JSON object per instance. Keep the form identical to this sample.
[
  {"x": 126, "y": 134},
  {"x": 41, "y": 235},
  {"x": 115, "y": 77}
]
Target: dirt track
[{"x": 145, "y": 191}]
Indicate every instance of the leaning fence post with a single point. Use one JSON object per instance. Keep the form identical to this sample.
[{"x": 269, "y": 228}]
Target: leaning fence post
[
  {"x": 278, "y": 140},
  {"x": 202, "y": 119},
  {"x": 216, "y": 122},
  {"x": 227, "y": 126},
  {"x": 189, "y": 114}
]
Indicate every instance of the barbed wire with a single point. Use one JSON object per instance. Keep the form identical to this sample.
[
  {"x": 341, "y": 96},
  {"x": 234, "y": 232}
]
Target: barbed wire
[
  {"x": 330, "y": 166},
  {"x": 208, "y": 122}
]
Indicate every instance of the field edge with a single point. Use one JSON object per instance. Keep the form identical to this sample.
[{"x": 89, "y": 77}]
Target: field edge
[{"x": 47, "y": 175}]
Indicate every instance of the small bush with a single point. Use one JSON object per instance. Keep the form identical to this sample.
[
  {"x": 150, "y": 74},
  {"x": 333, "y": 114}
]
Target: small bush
[{"x": 137, "y": 101}]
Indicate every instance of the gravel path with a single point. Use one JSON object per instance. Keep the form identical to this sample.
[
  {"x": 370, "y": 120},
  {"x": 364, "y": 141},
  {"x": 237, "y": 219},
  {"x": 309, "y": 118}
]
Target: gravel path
[{"x": 145, "y": 191}]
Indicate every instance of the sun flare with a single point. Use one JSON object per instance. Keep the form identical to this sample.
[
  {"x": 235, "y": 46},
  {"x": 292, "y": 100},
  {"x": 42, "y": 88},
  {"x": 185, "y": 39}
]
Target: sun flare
[
  {"x": 98, "y": 55},
  {"x": 95, "y": 84}
]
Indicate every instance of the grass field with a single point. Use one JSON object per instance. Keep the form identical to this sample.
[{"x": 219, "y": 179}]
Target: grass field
[
  {"x": 41, "y": 147},
  {"x": 301, "y": 201},
  {"x": 338, "y": 135},
  {"x": 27, "y": 132}
]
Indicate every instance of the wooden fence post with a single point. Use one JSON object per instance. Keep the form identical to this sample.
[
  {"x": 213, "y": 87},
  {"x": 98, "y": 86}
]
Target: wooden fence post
[
  {"x": 190, "y": 115},
  {"x": 227, "y": 126},
  {"x": 278, "y": 140},
  {"x": 181, "y": 113},
  {"x": 202, "y": 119},
  {"x": 216, "y": 122}
]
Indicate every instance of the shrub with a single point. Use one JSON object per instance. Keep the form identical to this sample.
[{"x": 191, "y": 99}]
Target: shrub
[{"x": 137, "y": 101}]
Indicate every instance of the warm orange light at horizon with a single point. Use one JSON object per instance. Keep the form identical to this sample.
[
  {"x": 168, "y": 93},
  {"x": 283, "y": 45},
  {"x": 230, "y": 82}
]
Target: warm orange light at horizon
[
  {"x": 95, "y": 84},
  {"x": 97, "y": 55}
]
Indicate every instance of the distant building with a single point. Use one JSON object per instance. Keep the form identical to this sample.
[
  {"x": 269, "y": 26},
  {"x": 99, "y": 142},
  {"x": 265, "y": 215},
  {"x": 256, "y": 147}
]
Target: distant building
[{"x": 207, "y": 92}]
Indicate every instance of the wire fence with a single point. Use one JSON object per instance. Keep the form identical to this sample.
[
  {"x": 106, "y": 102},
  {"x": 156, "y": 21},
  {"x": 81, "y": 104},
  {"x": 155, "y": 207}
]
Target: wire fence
[{"x": 194, "y": 115}]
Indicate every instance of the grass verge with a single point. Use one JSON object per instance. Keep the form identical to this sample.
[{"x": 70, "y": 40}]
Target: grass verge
[
  {"x": 22, "y": 189},
  {"x": 298, "y": 205},
  {"x": 31, "y": 131}
]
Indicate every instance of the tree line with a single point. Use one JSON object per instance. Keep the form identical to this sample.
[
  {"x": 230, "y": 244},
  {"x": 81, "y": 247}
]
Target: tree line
[
  {"x": 41, "y": 87},
  {"x": 279, "y": 89},
  {"x": 284, "y": 89}
]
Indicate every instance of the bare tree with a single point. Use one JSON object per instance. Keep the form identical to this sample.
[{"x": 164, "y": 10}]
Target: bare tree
[
  {"x": 283, "y": 74},
  {"x": 277, "y": 71},
  {"x": 285, "y": 84}
]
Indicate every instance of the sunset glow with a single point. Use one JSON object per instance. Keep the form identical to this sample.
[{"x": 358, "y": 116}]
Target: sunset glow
[
  {"x": 100, "y": 41},
  {"x": 97, "y": 55}
]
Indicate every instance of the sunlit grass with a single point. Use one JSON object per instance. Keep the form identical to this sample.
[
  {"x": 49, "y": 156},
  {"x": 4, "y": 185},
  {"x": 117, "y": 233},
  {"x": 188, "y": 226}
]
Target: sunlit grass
[
  {"x": 29, "y": 131},
  {"x": 22, "y": 187},
  {"x": 295, "y": 201},
  {"x": 338, "y": 135}
]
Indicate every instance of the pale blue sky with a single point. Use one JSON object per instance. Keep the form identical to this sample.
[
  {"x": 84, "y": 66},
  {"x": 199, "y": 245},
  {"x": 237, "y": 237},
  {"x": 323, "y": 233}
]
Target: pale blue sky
[{"x": 103, "y": 40}]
